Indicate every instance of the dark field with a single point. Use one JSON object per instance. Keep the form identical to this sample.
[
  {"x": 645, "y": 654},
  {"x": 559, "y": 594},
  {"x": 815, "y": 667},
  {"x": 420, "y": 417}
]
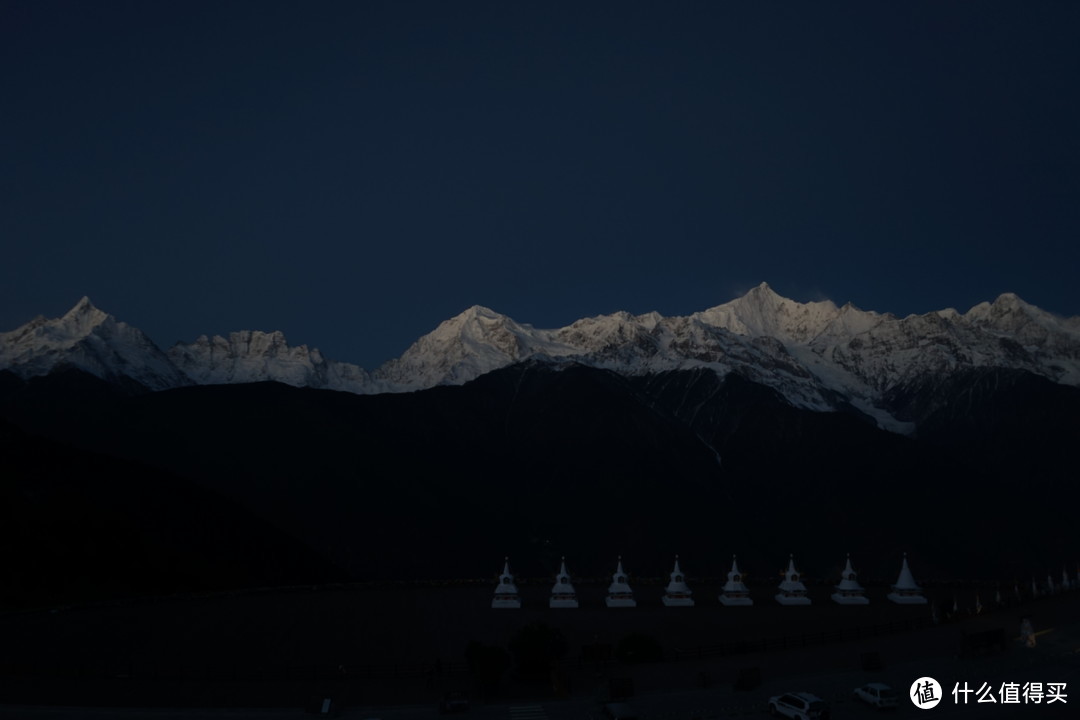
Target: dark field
[{"x": 406, "y": 644}]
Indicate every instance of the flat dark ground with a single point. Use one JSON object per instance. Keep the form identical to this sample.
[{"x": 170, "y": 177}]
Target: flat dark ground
[{"x": 279, "y": 647}]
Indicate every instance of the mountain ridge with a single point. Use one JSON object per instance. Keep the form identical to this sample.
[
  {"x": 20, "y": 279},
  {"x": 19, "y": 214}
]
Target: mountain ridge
[{"x": 816, "y": 355}]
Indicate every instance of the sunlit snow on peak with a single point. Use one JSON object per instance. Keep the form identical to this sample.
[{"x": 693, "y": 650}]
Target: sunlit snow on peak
[{"x": 814, "y": 354}]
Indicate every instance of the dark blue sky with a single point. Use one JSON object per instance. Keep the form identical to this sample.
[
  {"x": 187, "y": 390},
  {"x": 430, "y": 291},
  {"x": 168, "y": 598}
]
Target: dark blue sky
[{"x": 354, "y": 173}]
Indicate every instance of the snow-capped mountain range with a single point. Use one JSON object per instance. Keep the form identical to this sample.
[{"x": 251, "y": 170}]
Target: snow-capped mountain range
[
  {"x": 88, "y": 339},
  {"x": 817, "y": 355}
]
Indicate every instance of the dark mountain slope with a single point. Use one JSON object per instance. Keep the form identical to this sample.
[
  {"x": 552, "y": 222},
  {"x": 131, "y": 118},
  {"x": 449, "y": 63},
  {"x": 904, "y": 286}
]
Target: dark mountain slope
[
  {"x": 79, "y": 526},
  {"x": 528, "y": 461},
  {"x": 536, "y": 462}
]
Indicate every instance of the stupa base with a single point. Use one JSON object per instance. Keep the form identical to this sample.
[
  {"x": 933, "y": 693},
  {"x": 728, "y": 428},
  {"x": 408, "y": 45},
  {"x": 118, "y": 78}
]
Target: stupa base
[
  {"x": 678, "y": 601},
  {"x": 620, "y": 602},
  {"x": 906, "y": 599}
]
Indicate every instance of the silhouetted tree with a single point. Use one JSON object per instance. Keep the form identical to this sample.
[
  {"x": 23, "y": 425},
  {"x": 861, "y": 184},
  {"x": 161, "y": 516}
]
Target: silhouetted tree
[
  {"x": 487, "y": 663},
  {"x": 536, "y": 648},
  {"x": 639, "y": 648}
]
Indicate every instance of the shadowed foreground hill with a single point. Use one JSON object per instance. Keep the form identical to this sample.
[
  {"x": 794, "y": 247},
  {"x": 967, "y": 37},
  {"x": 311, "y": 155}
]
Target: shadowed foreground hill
[
  {"x": 528, "y": 462},
  {"x": 81, "y": 526},
  {"x": 536, "y": 462}
]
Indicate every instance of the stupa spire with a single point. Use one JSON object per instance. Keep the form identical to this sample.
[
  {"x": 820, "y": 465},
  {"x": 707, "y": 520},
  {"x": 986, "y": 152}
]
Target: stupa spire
[
  {"x": 849, "y": 591},
  {"x": 906, "y": 591},
  {"x": 792, "y": 589},
  {"x": 735, "y": 591},
  {"x": 677, "y": 593},
  {"x": 563, "y": 594},
  {"x": 506, "y": 592},
  {"x": 619, "y": 592}
]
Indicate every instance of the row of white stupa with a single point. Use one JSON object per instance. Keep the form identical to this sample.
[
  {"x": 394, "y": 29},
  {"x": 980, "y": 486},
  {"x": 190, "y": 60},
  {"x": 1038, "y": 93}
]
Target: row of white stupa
[{"x": 792, "y": 591}]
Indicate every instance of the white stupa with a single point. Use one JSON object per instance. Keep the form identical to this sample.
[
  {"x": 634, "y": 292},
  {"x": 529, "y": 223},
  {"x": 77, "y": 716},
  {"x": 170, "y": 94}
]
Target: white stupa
[
  {"x": 506, "y": 592},
  {"x": 677, "y": 593},
  {"x": 735, "y": 590},
  {"x": 792, "y": 590},
  {"x": 619, "y": 593},
  {"x": 906, "y": 591},
  {"x": 849, "y": 591},
  {"x": 563, "y": 594}
]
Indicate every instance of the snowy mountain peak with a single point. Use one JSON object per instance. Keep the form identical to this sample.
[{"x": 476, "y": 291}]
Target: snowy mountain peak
[
  {"x": 1006, "y": 302},
  {"x": 91, "y": 340},
  {"x": 763, "y": 290},
  {"x": 84, "y": 308},
  {"x": 82, "y": 319},
  {"x": 759, "y": 301},
  {"x": 255, "y": 356},
  {"x": 479, "y": 311},
  {"x": 594, "y": 334},
  {"x": 650, "y": 320},
  {"x": 466, "y": 346},
  {"x": 763, "y": 313},
  {"x": 477, "y": 320},
  {"x": 1036, "y": 336},
  {"x": 1010, "y": 300},
  {"x": 816, "y": 355}
]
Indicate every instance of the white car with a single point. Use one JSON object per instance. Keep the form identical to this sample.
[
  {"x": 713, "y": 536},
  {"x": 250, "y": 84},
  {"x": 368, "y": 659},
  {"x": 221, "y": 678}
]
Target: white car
[
  {"x": 799, "y": 706},
  {"x": 879, "y": 695}
]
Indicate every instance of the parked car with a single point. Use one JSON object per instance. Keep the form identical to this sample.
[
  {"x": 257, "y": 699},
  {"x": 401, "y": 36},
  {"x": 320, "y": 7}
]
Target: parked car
[
  {"x": 879, "y": 695},
  {"x": 799, "y": 706}
]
